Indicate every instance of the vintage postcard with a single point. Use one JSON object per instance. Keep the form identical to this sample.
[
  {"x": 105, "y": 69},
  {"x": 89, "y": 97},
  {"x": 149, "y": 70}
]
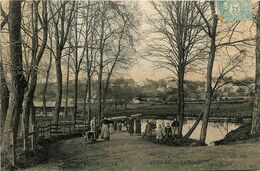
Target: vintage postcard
[{"x": 130, "y": 85}]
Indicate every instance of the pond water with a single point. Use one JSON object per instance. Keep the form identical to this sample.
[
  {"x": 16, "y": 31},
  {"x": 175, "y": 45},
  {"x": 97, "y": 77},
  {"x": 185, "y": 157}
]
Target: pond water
[{"x": 216, "y": 131}]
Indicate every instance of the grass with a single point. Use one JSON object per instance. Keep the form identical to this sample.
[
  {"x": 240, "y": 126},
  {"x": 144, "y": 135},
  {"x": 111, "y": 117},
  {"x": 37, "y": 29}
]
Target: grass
[
  {"x": 218, "y": 109},
  {"x": 239, "y": 109}
]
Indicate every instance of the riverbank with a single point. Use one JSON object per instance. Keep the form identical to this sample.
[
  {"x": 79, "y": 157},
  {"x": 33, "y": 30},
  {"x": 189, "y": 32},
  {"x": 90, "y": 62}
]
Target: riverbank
[
  {"x": 239, "y": 135},
  {"x": 175, "y": 142}
]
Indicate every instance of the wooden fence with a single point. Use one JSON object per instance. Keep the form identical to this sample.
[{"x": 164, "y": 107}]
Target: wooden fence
[
  {"x": 48, "y": 131},
  {"x": 65, "y": 128}
]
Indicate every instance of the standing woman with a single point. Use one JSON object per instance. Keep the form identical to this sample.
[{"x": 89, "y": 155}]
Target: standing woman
[
  {"x": 105, "y": 129},
  {"x": 93, "y": 127},
  {"x": 138, "y": 126},
  {"x": 119, "y": 126},
  {"x": 131, "y": 126}
]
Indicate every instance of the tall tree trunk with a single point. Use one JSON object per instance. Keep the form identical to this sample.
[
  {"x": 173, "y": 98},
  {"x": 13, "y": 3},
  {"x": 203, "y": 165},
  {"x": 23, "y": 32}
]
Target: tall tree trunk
[
  {"x": 89, "y": 99},
  {"x": 256, "y": 110},
  {"x": 107, "y": 85},
  {"x": 100, "y": 88},
  {"x": 17, "y": 78},
  {"x": 37, "y": 54},
  {"x": 110, "y": 74},
  {"x": 61, "y": 31},
  {"x": 46, "y": 86},
  {"x": 4, "y": 97},
  {"x": 209, "y": 92},
  {"x": 76, "y": 96},
  {"x": 85, "y": 101},
  {"x": 77, "y": 69},
  {"x": 188, "y": 134},
  {"x": 27, "y": 106},
  {"x": 32, "y": 75},
  {"x": 58, "y": 88},
  {"x": 100, "y": 73},
  {"x": 67, "y": 88},
  {"x": 106, "y": 90},
  {"x": 105, "y": 95},
  {"x": 181, "y": 101}
]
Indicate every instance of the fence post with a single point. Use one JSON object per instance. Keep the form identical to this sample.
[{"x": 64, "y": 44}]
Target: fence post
[
  {"x": 227, "y": 126},
  {"x": 39, "y": 131},
  {"x": 46, "y": 130},
  {"x": 69, "y": 129},
  {"x": 50, "y": 127},
  {"x": 74, "y": 128},
  {"x": 33, "y": 139},
  {"x": 64, "y": 129}
]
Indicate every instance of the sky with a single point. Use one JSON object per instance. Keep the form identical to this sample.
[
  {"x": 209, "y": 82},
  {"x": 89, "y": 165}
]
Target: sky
[{"x": 144, "y": 69}]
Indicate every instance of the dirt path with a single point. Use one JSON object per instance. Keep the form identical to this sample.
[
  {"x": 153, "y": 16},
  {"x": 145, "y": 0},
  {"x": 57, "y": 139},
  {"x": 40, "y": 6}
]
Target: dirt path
[{"x": 124, "y": 152}]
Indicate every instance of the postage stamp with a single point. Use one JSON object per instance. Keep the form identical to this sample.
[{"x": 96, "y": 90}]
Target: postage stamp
[{"x": 235, "y": 10}]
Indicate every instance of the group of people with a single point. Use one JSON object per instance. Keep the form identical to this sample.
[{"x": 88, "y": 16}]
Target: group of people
[
  {"x": 130, "y": 125},
  {"x": 104, "y": 129},
  {"x": 163, "y": 132},
  {"x": 134, "y": 126},
  {"x": 107, "y": 127},
  {"x": 167, "y": 132}
]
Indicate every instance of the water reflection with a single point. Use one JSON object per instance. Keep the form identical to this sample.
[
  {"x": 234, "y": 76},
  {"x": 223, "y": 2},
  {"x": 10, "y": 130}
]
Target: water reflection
[{"x": 216, "y": 131}]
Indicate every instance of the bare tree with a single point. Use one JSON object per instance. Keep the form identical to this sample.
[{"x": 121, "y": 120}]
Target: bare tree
[
  {"x": 61, "y": 26},
  {"x": 114, "y": 28},
  {"x": 225, "y": 68},
  {"x": 210, "y": 19},
  {"x": 103, "y": 38},
  {"x": 17, "y": 81},
  {"x": 77, "y": 40},
  {"x": 37, "y": 51},
  {"x": 90, "y": 18},
  {"x": 179, "y": 48},
  {"x": 67, "y": 85}
]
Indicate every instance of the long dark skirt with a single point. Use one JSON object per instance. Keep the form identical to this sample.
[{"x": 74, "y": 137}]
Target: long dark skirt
[
  {"x": 131, "y": 128},
  {"x": 138, "y": 128}
]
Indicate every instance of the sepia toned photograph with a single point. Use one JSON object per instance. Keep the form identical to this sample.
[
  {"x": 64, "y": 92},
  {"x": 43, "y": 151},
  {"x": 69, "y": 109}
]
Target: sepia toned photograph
[{"x": 129, "y": 85}]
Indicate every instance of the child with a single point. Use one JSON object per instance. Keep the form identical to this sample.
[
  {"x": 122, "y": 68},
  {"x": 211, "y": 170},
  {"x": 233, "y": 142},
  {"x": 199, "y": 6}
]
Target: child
[
  {"x": 159, "y": 133},
  {"x": 175, "y": 125},
  {"x": 111, "y": 128},
  {"x": 163, "y": 131},
  {"x": 168, "y": 131}
]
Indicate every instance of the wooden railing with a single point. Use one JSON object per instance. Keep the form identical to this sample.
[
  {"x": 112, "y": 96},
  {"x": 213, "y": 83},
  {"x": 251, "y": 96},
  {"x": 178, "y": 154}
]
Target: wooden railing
[
  {"x": 65, "y": 128},
  {"x": 48, "y": 131}
]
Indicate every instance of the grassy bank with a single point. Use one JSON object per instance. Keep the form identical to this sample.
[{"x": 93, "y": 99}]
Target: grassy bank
[
  {"x": 239, "y": 135},
  {"x": 33, "y": 157}
]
